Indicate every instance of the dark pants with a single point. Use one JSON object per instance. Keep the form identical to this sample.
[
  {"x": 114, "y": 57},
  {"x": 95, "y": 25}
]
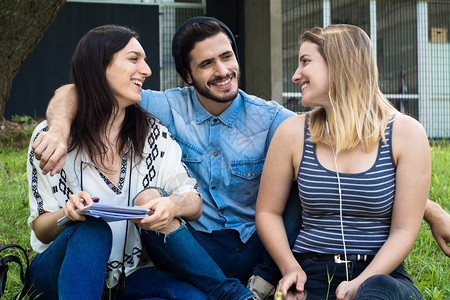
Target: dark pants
[
  {"x": 323, "y": 277},
  {"x": 180, "y": 253},
  {"x": 219, "y": 263}
]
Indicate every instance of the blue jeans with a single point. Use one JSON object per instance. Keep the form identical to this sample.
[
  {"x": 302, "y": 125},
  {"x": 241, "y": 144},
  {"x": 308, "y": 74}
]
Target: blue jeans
[
  {"x": 323, "y": 277},
  {"x": 74, "y": 266},
  {"x": 150, "y": 283},
  {"x": 181, "y": 254},
  {"x": 221, "y": 254},
  {"x": 225, "y": 247}
]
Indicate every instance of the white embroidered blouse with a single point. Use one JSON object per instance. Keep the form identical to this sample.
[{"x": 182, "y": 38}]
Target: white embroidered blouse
[{"x": 161, "y": 166}]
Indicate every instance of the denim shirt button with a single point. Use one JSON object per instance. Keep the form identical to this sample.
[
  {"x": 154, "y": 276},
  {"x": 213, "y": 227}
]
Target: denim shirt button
[
  {"x": 214, "y": 120},
  {"x": 249, "y": 174},
  {"x": 221, "y": 211},
  {"x": 213, "y": 187},
  {"x": 215, "y": 153}
]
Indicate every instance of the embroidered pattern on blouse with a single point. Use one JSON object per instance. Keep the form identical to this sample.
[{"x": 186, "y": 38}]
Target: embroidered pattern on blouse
[
  {"x": 123, "y": 173},
  {"x": 128, "y": 260},
  {"x": 62, "y": 182},
  {"x": 34, "y": 178},
  {"x": 63, "y": 186},
  {"x": 34, "y": 188},
  {"x": 154, "y": 152}
]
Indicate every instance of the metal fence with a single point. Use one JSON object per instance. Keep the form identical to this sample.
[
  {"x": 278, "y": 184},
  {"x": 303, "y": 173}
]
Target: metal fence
[
  {"x": 410, "y": 39},
  {"x": 172, "y": 15}
]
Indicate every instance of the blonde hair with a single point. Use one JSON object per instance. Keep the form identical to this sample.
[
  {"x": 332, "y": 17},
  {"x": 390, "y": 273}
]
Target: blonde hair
[{"x": 361, "y": 110}]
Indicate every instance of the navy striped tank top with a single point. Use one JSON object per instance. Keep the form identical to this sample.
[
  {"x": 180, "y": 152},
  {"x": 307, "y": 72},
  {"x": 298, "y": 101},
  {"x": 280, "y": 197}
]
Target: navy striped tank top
[{"x": 367, "y": 200}]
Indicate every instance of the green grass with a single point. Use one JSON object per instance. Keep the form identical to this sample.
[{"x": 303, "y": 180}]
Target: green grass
[
  {"x": 426, "y": 263},
  {"x": 13, "y": 197},
  {"x": 14, "y": 209}
]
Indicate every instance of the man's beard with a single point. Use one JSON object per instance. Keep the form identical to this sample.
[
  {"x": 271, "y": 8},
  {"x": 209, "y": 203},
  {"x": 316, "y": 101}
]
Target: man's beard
[{"x": 202, "y": 90}]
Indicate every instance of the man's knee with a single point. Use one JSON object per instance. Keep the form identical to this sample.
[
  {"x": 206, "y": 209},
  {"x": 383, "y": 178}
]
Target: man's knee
[
  {"x": 172, "y": 226},
  {"x": 172, "y": 230}
]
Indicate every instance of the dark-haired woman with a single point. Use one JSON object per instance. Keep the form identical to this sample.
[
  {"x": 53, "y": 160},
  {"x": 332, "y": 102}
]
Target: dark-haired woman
[{"x": 116, "y": 152}]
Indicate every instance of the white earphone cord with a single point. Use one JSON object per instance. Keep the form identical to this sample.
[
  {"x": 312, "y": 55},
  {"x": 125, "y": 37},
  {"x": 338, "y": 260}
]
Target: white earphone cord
[{"x": 339, "y": 182}]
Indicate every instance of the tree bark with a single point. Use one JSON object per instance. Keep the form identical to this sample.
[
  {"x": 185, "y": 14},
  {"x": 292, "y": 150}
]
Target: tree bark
[{"x": 22, "y": 25}]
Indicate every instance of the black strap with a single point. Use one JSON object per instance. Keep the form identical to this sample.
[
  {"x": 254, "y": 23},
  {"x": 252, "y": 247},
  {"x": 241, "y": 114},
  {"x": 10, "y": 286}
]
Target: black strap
[
  {"x": 4, "y": 262},
  {"x": 332, "y": 257},
  {"x": 111, "y": 293},
  {"x": 121, "y": 282}
]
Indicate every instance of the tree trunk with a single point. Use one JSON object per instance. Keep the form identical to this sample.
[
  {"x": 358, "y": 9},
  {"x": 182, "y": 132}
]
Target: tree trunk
[{"x": 22, "y": 25}]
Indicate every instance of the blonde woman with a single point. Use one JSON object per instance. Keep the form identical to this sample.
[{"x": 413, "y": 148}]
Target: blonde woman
[{"x": 363, "y": 171}]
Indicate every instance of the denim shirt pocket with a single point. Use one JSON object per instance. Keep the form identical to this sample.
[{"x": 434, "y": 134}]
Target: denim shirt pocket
[
  {"x": 245, "y": 177},
  {"x": 190, "y": 154}
]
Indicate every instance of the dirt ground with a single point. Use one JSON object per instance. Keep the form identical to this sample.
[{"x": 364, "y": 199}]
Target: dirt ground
[
  {"x": 12, "y": 135},
  {"x": 8, "y": 127}
]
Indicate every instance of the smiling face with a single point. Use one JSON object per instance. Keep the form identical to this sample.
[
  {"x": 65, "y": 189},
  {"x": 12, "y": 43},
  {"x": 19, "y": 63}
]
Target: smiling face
[
  {"x": 127, "y": 72},
  {"x": 312, "y": 76},
  {"x": 214, "y": 71}
]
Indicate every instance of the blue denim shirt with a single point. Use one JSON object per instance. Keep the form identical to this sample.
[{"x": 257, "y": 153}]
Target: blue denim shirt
[{"x": 224, "y": 153}]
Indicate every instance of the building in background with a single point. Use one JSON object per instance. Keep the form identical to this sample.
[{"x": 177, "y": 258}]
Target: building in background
[{"x": 410, "y": 39}]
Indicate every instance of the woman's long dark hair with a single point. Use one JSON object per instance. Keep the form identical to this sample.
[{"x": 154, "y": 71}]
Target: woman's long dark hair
[{"x": 96, "y": 102}]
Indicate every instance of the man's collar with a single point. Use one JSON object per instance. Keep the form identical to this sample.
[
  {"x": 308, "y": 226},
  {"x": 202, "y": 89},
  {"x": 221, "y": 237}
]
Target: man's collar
[{"x": 228, "y": 117}]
